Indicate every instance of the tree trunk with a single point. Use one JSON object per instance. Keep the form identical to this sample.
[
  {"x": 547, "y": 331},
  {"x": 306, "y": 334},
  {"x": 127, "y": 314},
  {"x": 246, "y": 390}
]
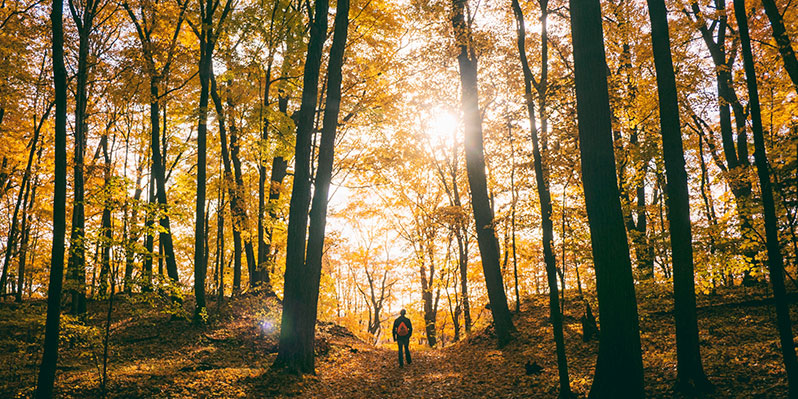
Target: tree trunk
[
  {"x": 149, "y": 238},
  {"x": 77, "y": 247},
  {"x": 27, "y": 220},
  {"x": 205, "y": 74},
  {"x": 255, "y": 277},
  {"x": 106, "y": 234},
  {"x": 690, "y": 376},
  {"x": 736, "y": 162},
  {"x": 318, "y": 210},
  {"x": 475, "y": 167},
  {"x": 165, "y": 237},
  {"x": 10, "y": 242},
  {"x": 775, "y": 260},
  {"x": 782, "y": 40},
  {"x": 132, "y": 233},
  {"x": 426, "y": 292},
  {"x": 263, "y": 247},
  {"x": 44, "y": 389},
  {"x": 619, "y": 367},
  {"x": 545, "y": 197},
  {"x": 295, "y": 351},
  {"x": 232, "y": 186}
]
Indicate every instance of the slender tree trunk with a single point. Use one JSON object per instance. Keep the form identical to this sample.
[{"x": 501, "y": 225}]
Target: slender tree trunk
[
  {"x": 44, "y": 389},
  {"x": 149, "y": 240},
  {"x": 775, "y": 260},
  {"x": 255, "y": 277},
  {"x": 475, "y": 167},
  {"x": 545, "y": 199},
  {"x": 263, "y": 247},
  {"x": 426, "y": 292},
  {"x": 11, "y": 241},
  {"x": 27, "y": 221},
  {"x": 205, "y": 73},
  {"x": 232, "y": 187},
  {"x": 220, "y": 247},
  {"x": 132, "y": 233},
  {"x": 782, "y": 40},
  {"x": 77, "y": 248},
  {"x": 706, "y": 195},
  {"x": 690, "y": 372},
  {"x": 461, "y": 234},
  {"x": 106, "y": 229},
  {"x": 736, "y": 158},
  {"x": 619, "y": 367},
  {"x": 296, "y": 334},
  {"x": 159, "y": 174}
]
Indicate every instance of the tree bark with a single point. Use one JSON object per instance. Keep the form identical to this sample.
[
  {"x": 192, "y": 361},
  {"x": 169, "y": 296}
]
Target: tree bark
[
  {"x": 775, "y": 260},
  {"x": 690, "y": 376},
  {"x": 782, "y": 40},
  {"x": 205, "y": 73},
  {"x": 11, "y": 241},
  {"x": 736, "y": 157},
  {"x": 295, "y": 351},
  {"x": 207, "y": 34},
  {"x": 298, "y": 354},
  {"x": 544, "y": 195},
  {"x": 619, "y": 367},
  {"x": 255, "y": 277},
  {"x": 44, "y": 389},
  {"x": 232, "y": 187},
  {"x": 106, "y": 232},
  {"x": 475, "y": 168}
]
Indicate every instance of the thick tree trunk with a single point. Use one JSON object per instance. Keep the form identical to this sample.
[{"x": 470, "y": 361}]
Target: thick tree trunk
[
  {"x": 775, "y": 260},
  {"x": 318, "y": 210},
  {"x": 297, "y": 327},
  {"x": 690, "y": 376},
  {"x": 619, "y": 367},
  {"x": 297, "y": 353},
  {"x": 475, "y": 167},
  {"x": 545, "y": 198},
  {"x": 44, "y": 389},
  {"x": 782, "y": 40}
]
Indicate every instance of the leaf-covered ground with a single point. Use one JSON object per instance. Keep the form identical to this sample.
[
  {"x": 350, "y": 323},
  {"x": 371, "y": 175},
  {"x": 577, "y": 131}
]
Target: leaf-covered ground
[{"x": 153, "y": 354}]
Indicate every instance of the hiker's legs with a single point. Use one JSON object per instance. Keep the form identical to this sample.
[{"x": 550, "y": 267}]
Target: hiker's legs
[
  {"x": 399, "y": 343},
  {"x": 407, "y": 351}
]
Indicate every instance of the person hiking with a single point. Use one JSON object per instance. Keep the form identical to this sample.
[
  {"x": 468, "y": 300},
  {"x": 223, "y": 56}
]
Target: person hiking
[{"x": 402, "y": 330}]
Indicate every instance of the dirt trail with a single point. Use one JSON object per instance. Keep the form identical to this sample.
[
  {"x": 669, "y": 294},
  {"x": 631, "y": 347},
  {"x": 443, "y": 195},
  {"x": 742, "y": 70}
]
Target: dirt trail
[{"x": 374, "y": 372}]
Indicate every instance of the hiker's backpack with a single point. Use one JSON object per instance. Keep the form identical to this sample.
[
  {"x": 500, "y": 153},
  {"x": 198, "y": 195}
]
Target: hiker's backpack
[{"x": 402, "y": 329}]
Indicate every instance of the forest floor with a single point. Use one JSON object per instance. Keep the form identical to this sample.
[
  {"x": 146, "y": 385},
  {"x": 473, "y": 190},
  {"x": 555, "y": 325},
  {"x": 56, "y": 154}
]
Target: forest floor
[{"x": 154, "y": 352}]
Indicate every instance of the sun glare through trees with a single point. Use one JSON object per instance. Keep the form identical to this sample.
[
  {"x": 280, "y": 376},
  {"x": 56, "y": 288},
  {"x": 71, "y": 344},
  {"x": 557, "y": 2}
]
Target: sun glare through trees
[{"x": 398, "y": 198}]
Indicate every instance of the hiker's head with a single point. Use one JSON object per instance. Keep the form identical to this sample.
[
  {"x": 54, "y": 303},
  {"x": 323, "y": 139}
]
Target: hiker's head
[{"x": 402, "y": 312}]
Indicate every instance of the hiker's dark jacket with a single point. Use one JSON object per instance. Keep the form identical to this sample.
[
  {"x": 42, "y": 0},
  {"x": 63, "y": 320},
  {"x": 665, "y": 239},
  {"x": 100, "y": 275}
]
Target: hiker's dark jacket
[{"x": 396, "y": 323}]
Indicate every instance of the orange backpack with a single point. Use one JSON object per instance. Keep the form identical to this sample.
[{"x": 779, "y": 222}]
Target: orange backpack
[{"x": 402, "y": 330}]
